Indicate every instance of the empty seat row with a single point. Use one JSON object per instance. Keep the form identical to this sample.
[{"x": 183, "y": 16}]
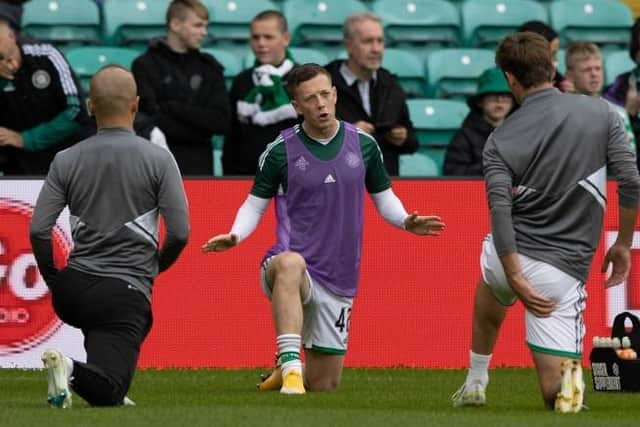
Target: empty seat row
[{"x": 426, "y": 23}]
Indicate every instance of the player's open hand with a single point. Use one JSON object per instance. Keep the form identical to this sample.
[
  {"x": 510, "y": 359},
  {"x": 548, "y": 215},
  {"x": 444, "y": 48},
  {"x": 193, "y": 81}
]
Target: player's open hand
[
  {"x": 424, "y": 225},
  {"x": 220, "y": 243},
  {"x": 537, "y": 304},
  {"x": 619, "y": 257}
]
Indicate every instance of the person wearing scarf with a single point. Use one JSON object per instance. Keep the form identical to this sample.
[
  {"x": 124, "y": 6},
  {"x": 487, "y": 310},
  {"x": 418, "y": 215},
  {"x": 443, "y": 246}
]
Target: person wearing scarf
[{"x": 259, "y": 102}]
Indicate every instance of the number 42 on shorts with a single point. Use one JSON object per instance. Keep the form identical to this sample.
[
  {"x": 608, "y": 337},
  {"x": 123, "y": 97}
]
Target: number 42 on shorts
[{"x": 344, "y": 319}]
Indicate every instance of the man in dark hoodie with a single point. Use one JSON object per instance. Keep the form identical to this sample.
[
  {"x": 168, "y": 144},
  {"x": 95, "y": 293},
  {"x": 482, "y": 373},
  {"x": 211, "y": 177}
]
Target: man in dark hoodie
[
  {"x": 489, "y": 107},
  {"x": 182, "y": 90},
  {"x": 368, "y": 95}
]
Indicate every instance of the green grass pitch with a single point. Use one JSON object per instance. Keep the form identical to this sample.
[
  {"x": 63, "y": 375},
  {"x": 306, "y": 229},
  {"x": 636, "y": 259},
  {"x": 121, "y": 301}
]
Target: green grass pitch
[{"x": 367, "y": 397}]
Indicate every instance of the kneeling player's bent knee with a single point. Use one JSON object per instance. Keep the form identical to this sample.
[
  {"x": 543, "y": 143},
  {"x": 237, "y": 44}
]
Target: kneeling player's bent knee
[
  {"x": 289, "y": 262},
  {"x": 323, "y": 384}
]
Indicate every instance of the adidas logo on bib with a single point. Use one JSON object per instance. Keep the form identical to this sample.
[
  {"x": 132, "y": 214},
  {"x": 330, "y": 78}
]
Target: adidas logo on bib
[{"x": 329, "y": 179}]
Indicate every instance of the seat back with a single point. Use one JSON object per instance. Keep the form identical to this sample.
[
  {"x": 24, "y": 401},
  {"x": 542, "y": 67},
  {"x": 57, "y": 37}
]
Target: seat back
[
  {"x": 418, "y": 164},
  {"x": 230, "y": 20},
  {"x": 408, "y": 69},
  {"x": 87, "y": 60},
  {"x": 486, "y": 22},
  {"x": 318, "y": 23},
  {"x": 62, "y": 22},
  {"x": 134, "y": 22},
  {"x": 424, "y": 24},
  {"x": 436, "y": 120},
  {"x": 605, "y": 22},
  {"x": 453, "y": 73}
]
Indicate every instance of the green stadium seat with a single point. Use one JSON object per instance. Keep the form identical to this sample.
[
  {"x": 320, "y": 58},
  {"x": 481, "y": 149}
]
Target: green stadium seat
[
  {"x": 616, "y": 63},
  {"x": 418, "y": 164},
  {"x": 485, "y": 22},
  {"x": 409, "y": 71},
  {"x": 229, "y": 22},
  {"x": 435, "y": 122},
  {"x": 217, "y": 161},
  {"x": 605, "y": 22},
  {"x": 301, "y": 55},
  {"x": 87, "y": 60},
  {"x": 62, "y": 22},
  {"x": 453, "y": 73},
  {"x": 318, "y": 23},
  {"x": 419, "y": 25},
  {"x": 134, "y": 22},
  {"x": 304, "y": 55},
  {"x": 229, "y": 61}
]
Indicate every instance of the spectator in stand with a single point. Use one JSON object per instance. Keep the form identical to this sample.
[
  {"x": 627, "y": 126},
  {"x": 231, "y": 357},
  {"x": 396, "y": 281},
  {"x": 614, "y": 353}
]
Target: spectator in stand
[
  {"x": 260, "y": 106},
  {"x": 489, "y": 107},
  {"x": 585, "y": 72},
  {"x": 624, "y": 90},
  {"x": 40, "y": 104},
  {"x": 182, "y": 90},
  {"x": 368, "y": 95},
  {"x": 550, "y": 34},
  {"x": 11, "y": 11}
]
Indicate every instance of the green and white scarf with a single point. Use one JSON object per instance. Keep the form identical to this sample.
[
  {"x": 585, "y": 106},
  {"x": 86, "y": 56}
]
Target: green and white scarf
[{"x": 267, "y": 103}]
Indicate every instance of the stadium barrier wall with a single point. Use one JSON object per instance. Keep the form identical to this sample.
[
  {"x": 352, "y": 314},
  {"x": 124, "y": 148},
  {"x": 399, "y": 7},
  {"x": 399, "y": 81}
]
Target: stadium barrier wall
[{"x": 413, "y": 308}]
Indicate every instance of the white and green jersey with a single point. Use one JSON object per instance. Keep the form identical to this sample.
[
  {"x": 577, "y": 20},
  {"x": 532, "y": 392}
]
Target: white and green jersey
[{"x": 272, "y": 166}]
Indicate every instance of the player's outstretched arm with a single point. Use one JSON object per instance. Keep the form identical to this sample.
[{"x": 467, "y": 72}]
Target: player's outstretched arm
[
  {"x": 246, "y": 221},
  {"x": 429, "y": 225},
  {"x": 220, "y": 243}
]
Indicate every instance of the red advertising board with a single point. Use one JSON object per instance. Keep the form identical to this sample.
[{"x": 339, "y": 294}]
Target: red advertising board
[
  {"x": 413, "y": 307},
  {"x": 415, "y": 299}
]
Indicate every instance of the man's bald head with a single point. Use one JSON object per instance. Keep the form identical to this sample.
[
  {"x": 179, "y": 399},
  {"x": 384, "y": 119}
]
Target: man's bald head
[{"x": 113, "y": 93}]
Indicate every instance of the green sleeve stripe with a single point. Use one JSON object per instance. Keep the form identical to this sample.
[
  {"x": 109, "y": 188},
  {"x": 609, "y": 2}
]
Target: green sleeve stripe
[
  {"x": 265, "y": 153},
  {"x": 376, "y": 179},
  {"x": 272, "y": 169},
  {"x": 49, "y": 134}
]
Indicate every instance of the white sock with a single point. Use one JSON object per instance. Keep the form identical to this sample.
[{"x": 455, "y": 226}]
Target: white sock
[
  {"x": 289, "y": 352},
  {"x": 69, "y": 362},
  {"x": 478, "y": 369}
]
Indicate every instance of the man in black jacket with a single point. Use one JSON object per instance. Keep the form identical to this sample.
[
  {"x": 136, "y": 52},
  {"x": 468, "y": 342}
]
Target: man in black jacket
[
  {"x": 182, "y": 90},
  {"x": 260, "y": 106},
  {"x": 368, "y": 95},
  {"x": 41, "y": 111}
]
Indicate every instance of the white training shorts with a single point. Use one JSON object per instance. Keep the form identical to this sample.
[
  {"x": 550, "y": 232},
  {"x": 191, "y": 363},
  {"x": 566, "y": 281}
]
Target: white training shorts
[
  {"x": 327, "y": 316},
  {"x": 562, "y": 333}
]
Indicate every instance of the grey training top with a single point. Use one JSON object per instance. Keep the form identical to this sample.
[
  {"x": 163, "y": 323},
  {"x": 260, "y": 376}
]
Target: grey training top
[
  {"x": 546, "y": 169},
  {"x": 115, "y": 185}
]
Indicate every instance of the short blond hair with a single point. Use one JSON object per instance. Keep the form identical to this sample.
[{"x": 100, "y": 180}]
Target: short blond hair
[
  {"x": 178, "y": 10},
  {"x": 580, "y": 51}
]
